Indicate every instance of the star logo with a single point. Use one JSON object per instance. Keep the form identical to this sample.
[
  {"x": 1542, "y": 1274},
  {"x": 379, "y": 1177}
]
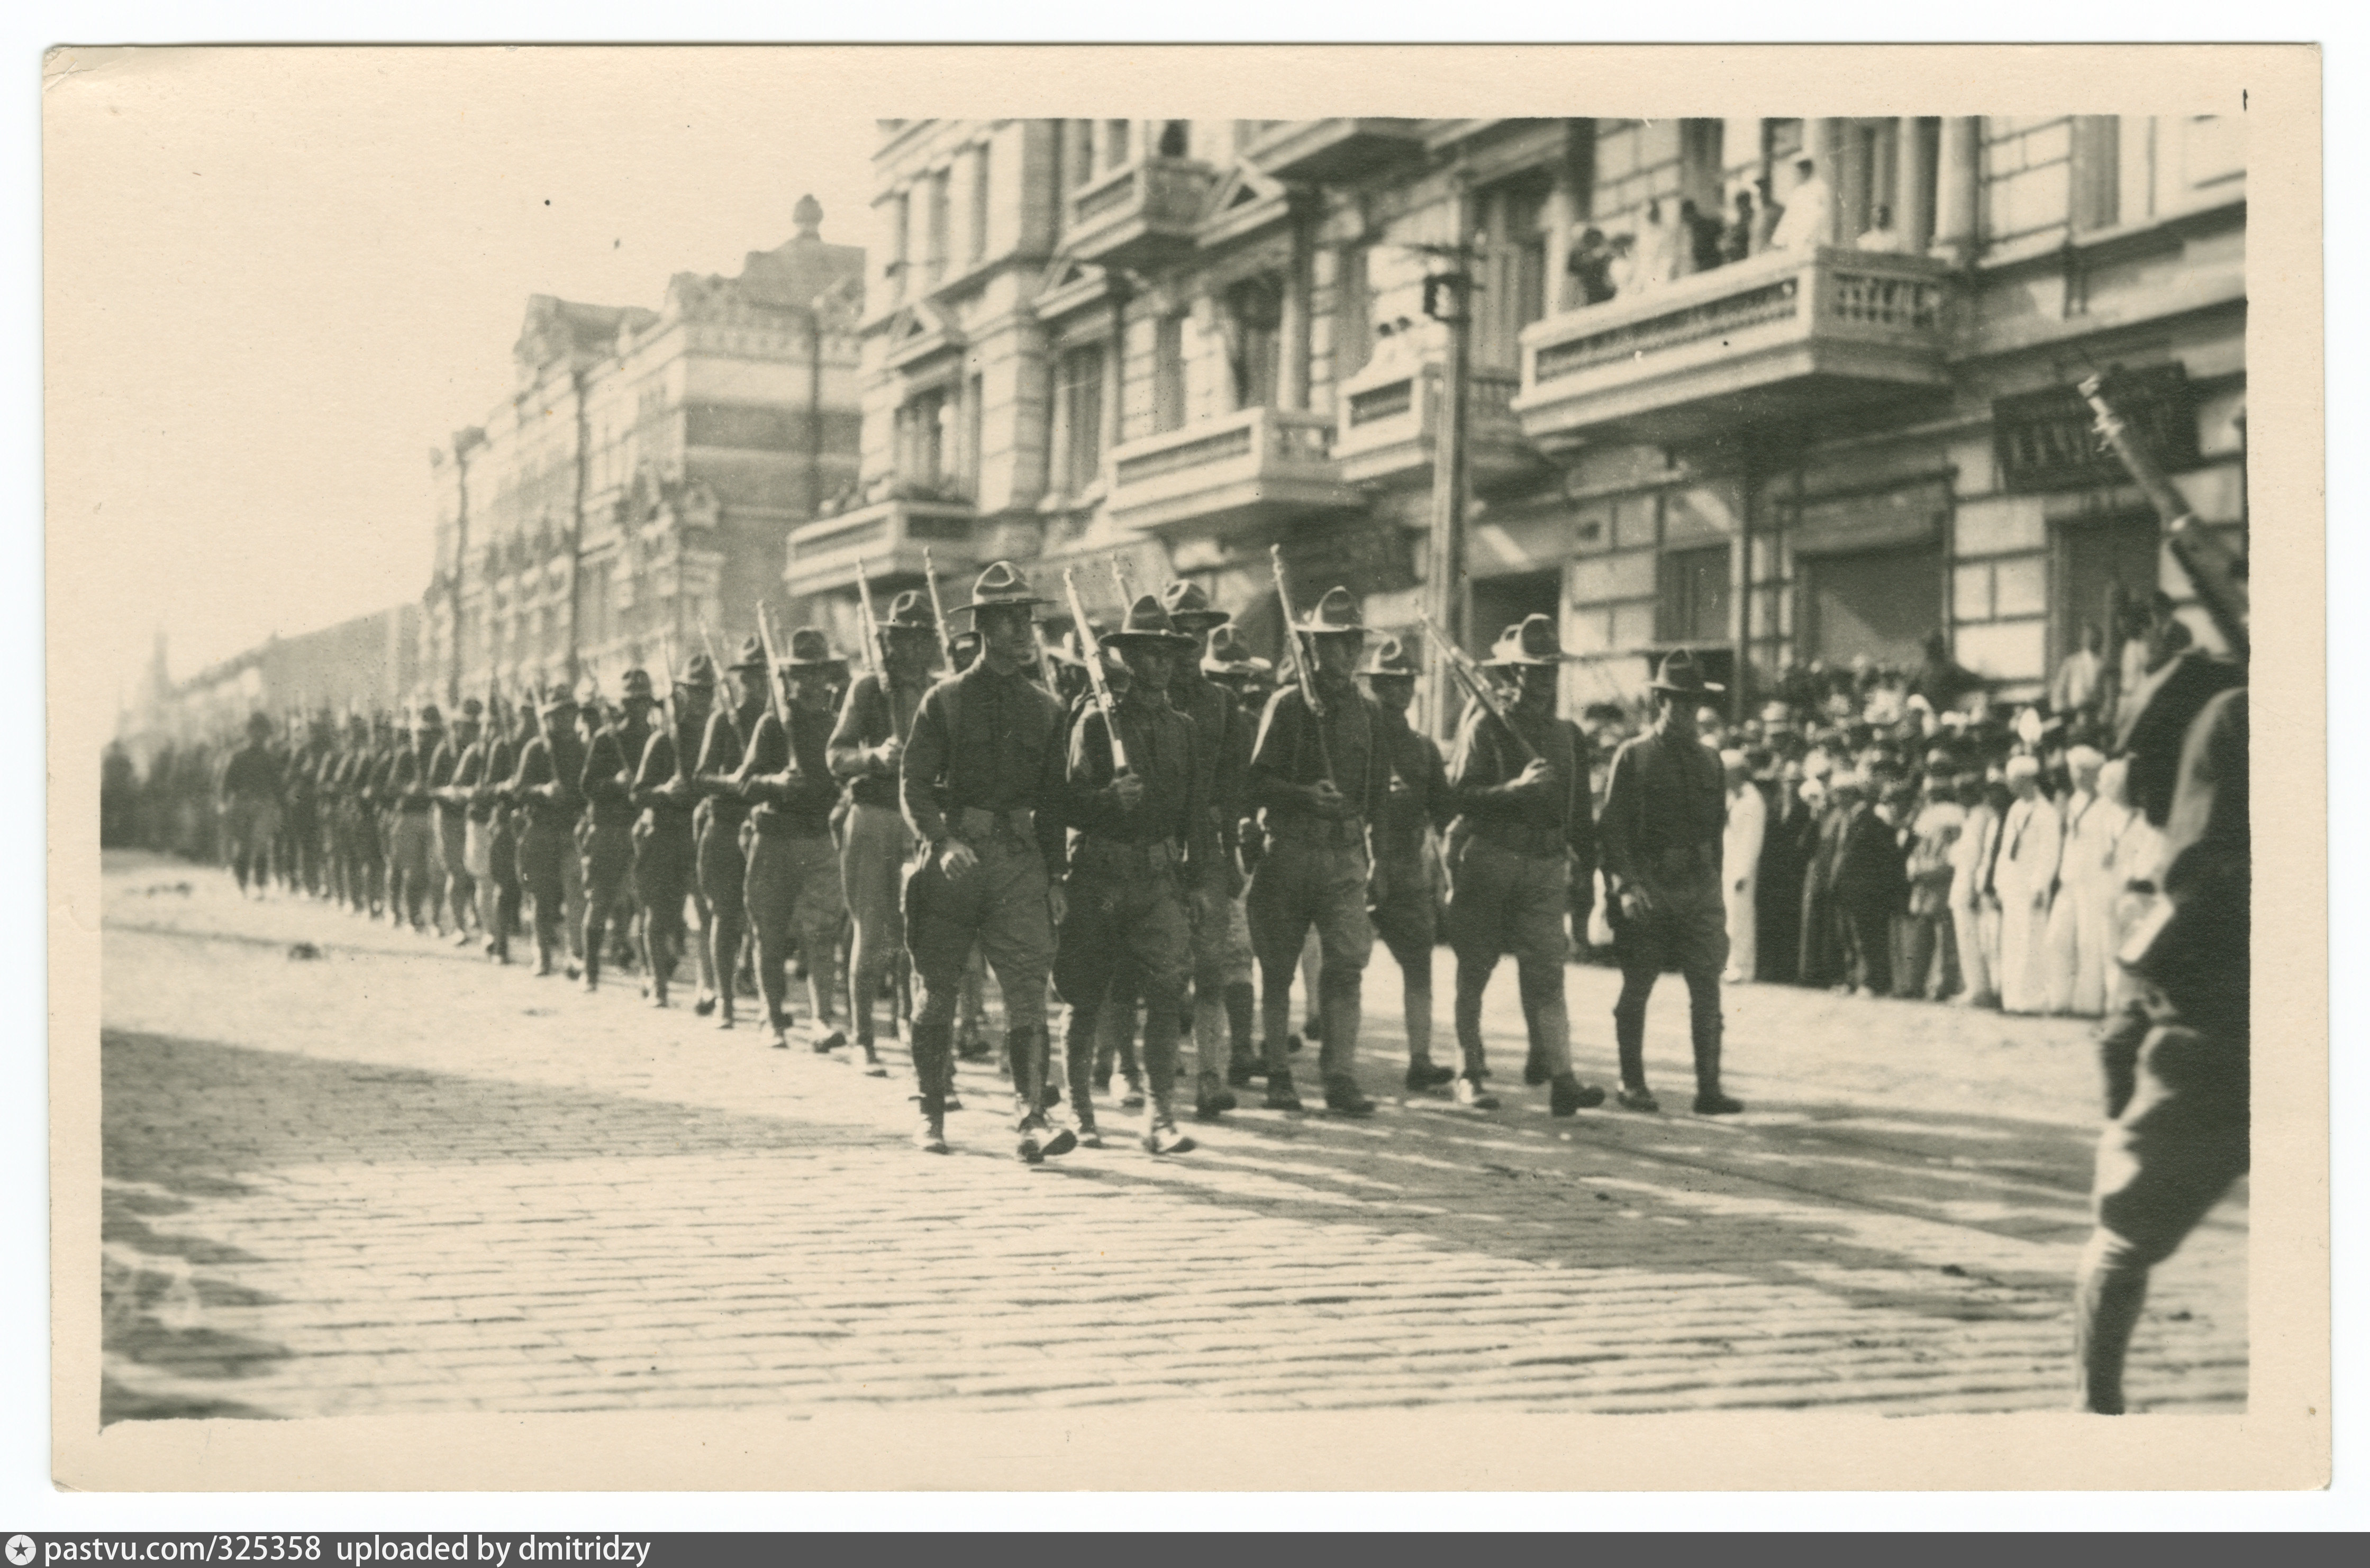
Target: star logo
[{"x": 20, "y": 1549}]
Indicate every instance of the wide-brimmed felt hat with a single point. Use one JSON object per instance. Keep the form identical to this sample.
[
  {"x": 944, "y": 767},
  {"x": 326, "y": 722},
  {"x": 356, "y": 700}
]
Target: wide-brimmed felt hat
[
  {"x": 1190, "y": 609},
  {"x": 427, "y": 717},
  {"x": 1681, "y": 673},
  {"x": 1002, "y": 583},
  {"x": 1335, "y": 611},
  {"x": 810, "y": 648},
  {"x": 558, "y": 699},
  {"x": 910, "y": 611},
  {"x": 1226, "y": 653},
  {"x": 259, "y": 723},
  {"x": 471, "y": 708},
  {"x": 752, "y": 654},
  {"x": 634, "y": 683},
  {"x": 699, "y": 675},
  {"x": 1389, "y": 657},
  {"x": 1148, "y": 626},
  {"x": 1531, "y": 641}
]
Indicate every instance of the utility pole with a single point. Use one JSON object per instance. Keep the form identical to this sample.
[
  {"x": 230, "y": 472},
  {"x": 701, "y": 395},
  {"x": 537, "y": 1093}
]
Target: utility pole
[{"x": 1448, "y": 299}]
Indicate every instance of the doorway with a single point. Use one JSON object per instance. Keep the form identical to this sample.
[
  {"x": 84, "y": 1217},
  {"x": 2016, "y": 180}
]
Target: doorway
[{"x": 2090, "y": 559}]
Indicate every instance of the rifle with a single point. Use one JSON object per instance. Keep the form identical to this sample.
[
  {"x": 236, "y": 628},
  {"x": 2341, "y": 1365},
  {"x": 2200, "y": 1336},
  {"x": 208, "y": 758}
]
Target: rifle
[
  {"x": 1119, "y": 576},
  {"x": 1477, "y": 685},
  {"x": 1303, "y": 663},
  {"x": 1093, "y": 650},
  {"x": 2212, "y": 568},
  {"x": 773, "y": 664},
  {"x": 938, "y": 613}
]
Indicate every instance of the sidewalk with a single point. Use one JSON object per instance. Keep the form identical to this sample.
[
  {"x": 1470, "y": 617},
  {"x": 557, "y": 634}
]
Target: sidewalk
[{"x": 396, "y": 1179}]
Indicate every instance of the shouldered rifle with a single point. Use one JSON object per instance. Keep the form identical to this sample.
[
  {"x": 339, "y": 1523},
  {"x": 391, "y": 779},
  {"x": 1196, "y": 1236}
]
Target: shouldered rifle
[
  {"x": 2212, "y": 568},
  {"x": 773, "y": 669},
  {"x": 1475, "y": 684},
  {"x": 1119, "y": 576},
  {"x": 1093, "y": 650},
  {"x": 1303, "y": 663},
  {"x": 938, "y": 613},
  {"x": 875, "y": 651}
]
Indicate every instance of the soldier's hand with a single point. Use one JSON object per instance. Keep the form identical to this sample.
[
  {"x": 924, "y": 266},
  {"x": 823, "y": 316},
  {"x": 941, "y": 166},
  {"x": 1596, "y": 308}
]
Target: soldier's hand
[
  {"x": 1378, "y": 886},
  {"x": 1130, "y": 790},
  {"x": 892, "y": 753},
  {"x": 1328, "y": 798},
  {"x": 1535, "y": 776},
  {"x": 957, "y": 860},
  {"x": 1057, "y": 903},
  {"x": 1635, "y": 902}
]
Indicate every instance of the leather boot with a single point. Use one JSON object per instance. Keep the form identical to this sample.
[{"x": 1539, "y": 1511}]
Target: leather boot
[{"x": 1709, "y": 1100}]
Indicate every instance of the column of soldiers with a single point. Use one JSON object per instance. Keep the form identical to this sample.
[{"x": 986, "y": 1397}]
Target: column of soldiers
[{"x": 1114, "y": 833}]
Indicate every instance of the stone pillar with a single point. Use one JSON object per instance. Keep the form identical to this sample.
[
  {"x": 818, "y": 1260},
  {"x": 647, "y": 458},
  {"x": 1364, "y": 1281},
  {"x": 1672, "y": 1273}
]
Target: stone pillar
[
  {"x": 1293, "y": 382},
  {"x": 1913, "y": 209},
  {"x": 1956, "y": 187},
  {"x": 1843, "y": 165}
]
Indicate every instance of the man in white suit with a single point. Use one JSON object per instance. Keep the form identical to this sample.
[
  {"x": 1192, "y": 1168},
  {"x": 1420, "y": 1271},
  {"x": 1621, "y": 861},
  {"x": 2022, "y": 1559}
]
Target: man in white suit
[
  {"x": 2079, "y": 918},
  {"x": 2031, "y": 840},
  {"x": 1740, "y": 856},
  {"x": 1971, "y": 857}
]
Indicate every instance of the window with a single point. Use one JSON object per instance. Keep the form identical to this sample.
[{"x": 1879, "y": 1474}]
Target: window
[
  {"x": 1514, "y": 270},
  {"x": 1176, "y": 139},
  {"x": 940, "y": 217},
  {"x": 974, "y": 399},
  {"x": 901, "y": 229},
  {"x": 1691, "y": 596},
  {"x": 1078, "y": 419},
  {"x": 1254, "y": 320},
  {"x": 1078, "y": 151},
  {"x": 1353, "y": 313},
  {"x": 1117, "y": 146},
  {"x": 979, "y": 202},
  {"x": 1169, "y": 373},
  {"x": 922, "y": 439},
  {"x": 2097, "y": 155}
]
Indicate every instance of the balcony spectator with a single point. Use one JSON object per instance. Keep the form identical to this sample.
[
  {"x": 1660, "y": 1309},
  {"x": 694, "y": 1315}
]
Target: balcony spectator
[
  {"x": 1703, "y": 236},
  {"x": 1592, "y": 267},
  {"x": 1662, "y": 250},
  {"x": 1736, "y": 239},
  {"x": 2075, "y": 688},
  {"x": 1941, "y": 680},
  {"x": 1804, "y": 225},
  {"x": 1880, "y": 236},
  {"x": 1773, "y": 213}
]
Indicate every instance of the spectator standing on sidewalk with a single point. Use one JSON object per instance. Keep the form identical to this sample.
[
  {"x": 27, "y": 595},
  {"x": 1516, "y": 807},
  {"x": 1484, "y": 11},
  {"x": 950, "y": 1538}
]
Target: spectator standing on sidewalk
[
  {"x": 2030, "y": 842},
  {"x": 1739, "y": 862}
]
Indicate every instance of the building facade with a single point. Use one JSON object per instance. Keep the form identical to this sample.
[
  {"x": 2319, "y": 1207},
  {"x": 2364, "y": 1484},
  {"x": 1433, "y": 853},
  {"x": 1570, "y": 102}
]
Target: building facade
[
  {"x": 369, "y": 664},
  {"x": 1176, "y": 343},
  {"x": 640, "y": 484}
]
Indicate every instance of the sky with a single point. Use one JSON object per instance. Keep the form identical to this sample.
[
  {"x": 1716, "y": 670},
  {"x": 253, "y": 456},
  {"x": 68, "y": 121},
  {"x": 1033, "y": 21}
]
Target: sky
[{"x": 276, "y": 279}]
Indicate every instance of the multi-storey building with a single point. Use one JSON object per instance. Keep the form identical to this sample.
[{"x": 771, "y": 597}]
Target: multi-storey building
[
  {"x": 1180, "y": 341},
  {"x": 369, "y": 664},
  {"x": 639, "y": 483}
]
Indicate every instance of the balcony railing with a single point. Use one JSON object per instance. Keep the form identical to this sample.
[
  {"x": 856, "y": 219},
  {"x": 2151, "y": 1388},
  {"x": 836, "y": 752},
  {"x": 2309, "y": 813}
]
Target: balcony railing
[
  {"x": 1391, "y": 415},
  {"x": 1796, "y": 331},
  {"x": 1334, "y": 151},
  {"x": 1254, "y": 468},
  {"x": 887, "y": 536},
  {"x": 1140, "y": 216}
]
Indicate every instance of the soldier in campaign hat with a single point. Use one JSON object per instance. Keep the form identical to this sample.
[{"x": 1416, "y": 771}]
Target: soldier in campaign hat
[
  {"x": 1522, "y": 838},
  {"x": 1320, "y": 780},
  {"x": 984, "y": 787},
  {"x": 610, "y": 764},
  {"x": 868, "y": 748},
  {"x": 411, "y": 838},
  {"x": 250, "y": 793},
  {"x": 717, "y": 822},
  {"x": 548, "y": 788},
  {"x": 1665, "y": 812},
  {"x": 452, "y": 818},
  {"x": 792, "y": 873},
  {"x": 663, "y": 837},
  {"x": 1419, "y": 804}
]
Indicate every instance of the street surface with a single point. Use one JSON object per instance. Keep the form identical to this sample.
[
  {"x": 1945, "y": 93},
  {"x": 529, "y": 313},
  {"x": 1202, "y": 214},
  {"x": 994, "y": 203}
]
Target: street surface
[{"x": 394, "y": 1179}]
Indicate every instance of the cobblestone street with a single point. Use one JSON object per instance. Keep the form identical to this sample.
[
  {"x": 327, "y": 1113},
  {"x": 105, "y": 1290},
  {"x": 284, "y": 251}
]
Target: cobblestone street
[{"x": 396, "y": 1179}]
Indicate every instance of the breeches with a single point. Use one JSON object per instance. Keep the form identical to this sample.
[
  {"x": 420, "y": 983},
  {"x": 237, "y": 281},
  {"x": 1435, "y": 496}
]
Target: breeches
[
  {"x": 792, "y": 887},
  {"x": 1406, "y": 920},
  {"x": 2177, "y": 1147},
  {"x": 1300, "y": 884},
  {"x": 1003, "y": 905},
  {"x": 870, "y": 863},
  {"x": 662, "y": 856}
]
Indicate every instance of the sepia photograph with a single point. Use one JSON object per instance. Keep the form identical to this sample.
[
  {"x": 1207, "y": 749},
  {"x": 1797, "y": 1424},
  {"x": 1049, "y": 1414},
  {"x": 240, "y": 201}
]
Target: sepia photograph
[{"x": 755, "y": 760}]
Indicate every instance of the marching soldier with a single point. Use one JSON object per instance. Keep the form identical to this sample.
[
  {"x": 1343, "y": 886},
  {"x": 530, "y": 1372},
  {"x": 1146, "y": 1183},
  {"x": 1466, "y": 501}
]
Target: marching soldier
[
  {"x": 1244, "y": 677},
  {"x": 717, "y": 824},
  {"x": 250, "y": 805},
  {"x": 1521, "y": 837},
  {"x": 484, "y": 758},
  {"x": 411, "y": 835},
  {"x": 452, "y": 817},
  {"x": 370, "y": 759},
  {"x": 546, "y": 788},
  {"x": 792, "y": 877},
  {"x": 301, "y": 809},
  {"x": 1318, "y": 785},
  {"x": 984, "y": 785},
  {"x": 1221, "y": 938},
  {"x": 1146, "y": 846},
  {"x": 1666, "y": 813},
  {"x": 608, "y": 839},
  {"x": 663, "y": 837},
  {"x": 866, "y": 749},
  {"x": 1418, "y": 804}
]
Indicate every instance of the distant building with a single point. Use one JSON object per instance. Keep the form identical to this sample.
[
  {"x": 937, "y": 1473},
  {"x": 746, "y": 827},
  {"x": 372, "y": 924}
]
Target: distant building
[
  {"x": 365, "y": 665},
  {"x": 1180, "y": 341},
  {"x": 641, "y": 481}
]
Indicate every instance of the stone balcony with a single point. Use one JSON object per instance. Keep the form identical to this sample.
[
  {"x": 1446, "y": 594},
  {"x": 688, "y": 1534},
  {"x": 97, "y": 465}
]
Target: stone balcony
[
  {"x": 1787, "y": 334},
  {"x": 1142, "y": 215},
  {"x": 887, "y": 536},
  {"x": 1323, "y": 152},
  {"x": 1254, "y": 469},
  {"x": 1391, "y": 413}
]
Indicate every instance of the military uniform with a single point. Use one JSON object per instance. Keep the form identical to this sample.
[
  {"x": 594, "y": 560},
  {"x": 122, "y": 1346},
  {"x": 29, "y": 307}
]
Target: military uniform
[
  {"x": 411, "y": 832},
  {"x": 1221, "y": 947},
  {"x": 721, "y": 860},
  {"x": 1316, "y": 868},
  {"x": 664, "y": 844},
  {"x": 1404, "y": 910},
  {"x": 877, "y": 845},
  {"x": 1132, "y": 870},
  {"x": 250, "y": 805},
  {"x": 452, "y": 818},
  {"x": 792, "y": 876},
  {"x": 546, "y": 786},
  {"x": 484, "y": 761},
  {"x": 608, "y": 840},
  {"x": 985, "y": 766},
  {"x": 1665, "y": 815},
  {"x": 1514, "y": 851}
]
